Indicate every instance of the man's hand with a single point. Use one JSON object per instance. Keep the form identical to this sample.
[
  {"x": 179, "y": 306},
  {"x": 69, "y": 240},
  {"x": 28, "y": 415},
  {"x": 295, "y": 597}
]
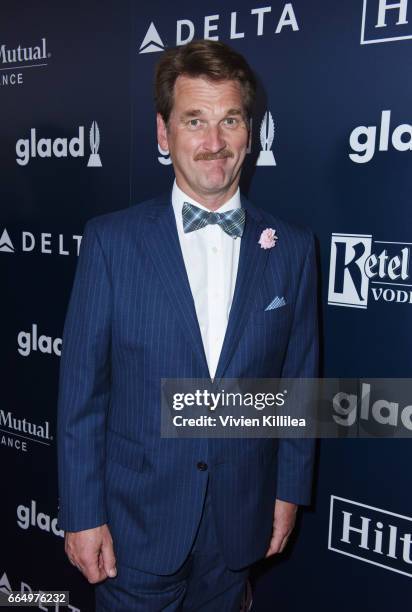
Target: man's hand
[
  {"x": 91, "y": 551},
  {"x": 284, "y": 518}
]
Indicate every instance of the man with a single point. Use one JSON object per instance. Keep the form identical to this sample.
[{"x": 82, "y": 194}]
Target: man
[{"x": 173, "y": 289}]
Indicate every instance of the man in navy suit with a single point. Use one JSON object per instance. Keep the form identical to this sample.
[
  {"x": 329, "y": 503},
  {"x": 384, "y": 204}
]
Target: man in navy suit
[{"x": 178, "y": 287}]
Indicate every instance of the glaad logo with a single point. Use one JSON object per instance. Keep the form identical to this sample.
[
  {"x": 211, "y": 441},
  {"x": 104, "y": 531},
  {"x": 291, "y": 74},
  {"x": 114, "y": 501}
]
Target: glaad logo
[
  {"x": 363, "y": 139},
  {"x": 13, "y": 60},
  {"x": 350, "y": 409},
  {"x": 25, "y": 588},
  {"x": 28, "y": 342},
  {"x": 267, "y": 133},
  {"x": 385, "y": 21},
  {"x": 46, "y": 243},
  {"x": 29, "y": 517},
  {"x": 94, "y": 139},
  {"x": 29, "y": 148},
  {"x": 186, "y": 31},
  {"x": 371, "y": 534},
  {"x": 354, "y": 268}
]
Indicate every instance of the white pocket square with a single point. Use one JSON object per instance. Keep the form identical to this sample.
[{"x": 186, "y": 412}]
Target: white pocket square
[{"x": 276, "y": 303}]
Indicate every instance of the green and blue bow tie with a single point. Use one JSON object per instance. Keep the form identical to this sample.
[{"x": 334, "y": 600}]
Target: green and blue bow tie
[{"x": 232, "y": 222}]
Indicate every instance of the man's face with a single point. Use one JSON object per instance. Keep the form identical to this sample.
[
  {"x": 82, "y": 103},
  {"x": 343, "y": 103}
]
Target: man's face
[{"x": 207, "y": 137}]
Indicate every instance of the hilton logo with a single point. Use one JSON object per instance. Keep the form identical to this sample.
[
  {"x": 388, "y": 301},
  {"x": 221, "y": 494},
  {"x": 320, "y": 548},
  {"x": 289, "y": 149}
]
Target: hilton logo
[
  {"x": 371, "y": 534},
  {"x": 357, "y": 272},
  {"x": 385, "y": 21}
]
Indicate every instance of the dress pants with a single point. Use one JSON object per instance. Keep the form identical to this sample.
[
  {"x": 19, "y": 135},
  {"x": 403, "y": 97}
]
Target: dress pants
[{"x": 202, "y": 584}]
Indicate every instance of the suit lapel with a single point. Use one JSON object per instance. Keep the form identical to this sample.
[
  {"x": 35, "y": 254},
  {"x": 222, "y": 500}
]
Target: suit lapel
[
  {"x": 162, "y": 243},
  {"x": 252, "y": 261}
]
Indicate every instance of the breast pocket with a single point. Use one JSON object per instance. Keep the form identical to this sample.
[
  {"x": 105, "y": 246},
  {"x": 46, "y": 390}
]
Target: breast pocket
[{"x": 281, "y": 314}]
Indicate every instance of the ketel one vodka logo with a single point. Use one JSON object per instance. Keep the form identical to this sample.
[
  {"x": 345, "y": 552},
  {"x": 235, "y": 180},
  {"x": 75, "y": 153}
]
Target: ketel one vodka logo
[
  {"x": 371, "y": 534},
  {"x": 32, "y": 147},
  {"x": 361, "y": 267},
  {"x": 267, "y": 133}
]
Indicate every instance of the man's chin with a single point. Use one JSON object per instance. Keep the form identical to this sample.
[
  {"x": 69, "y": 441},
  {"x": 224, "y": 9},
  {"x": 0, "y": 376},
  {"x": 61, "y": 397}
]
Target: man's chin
[
  {"x": 214, "y": 188},
  {"x": 215, "y": 183}
]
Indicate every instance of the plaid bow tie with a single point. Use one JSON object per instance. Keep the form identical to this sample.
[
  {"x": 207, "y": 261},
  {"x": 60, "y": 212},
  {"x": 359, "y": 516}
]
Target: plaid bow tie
[{"x": 232, "y": 222}]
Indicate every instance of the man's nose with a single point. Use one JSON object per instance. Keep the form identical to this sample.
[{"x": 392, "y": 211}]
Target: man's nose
[{"x": 214, "y": 140}]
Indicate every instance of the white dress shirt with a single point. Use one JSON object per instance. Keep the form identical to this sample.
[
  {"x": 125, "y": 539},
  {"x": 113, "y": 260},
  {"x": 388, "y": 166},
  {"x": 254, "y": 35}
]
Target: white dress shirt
[{"x": 211, "y": 258}]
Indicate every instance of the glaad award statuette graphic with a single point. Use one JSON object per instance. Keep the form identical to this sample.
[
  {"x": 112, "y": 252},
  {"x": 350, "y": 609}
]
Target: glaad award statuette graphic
[
  {"x": 267, "y": 132},
  {"x": 94, "y": 159}
]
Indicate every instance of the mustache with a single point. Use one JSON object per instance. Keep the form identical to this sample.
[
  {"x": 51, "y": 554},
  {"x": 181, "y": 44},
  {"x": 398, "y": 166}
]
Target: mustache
[{"x": 208, "y": 156}]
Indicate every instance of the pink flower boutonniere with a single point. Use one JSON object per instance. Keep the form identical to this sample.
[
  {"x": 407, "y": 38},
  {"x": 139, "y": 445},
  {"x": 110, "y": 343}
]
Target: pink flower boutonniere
[{"x": 268, "y": 238}]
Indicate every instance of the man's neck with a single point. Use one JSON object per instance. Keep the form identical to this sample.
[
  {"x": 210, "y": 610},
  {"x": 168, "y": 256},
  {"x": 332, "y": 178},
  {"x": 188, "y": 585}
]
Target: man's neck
[{"x": 210, "y": 201}]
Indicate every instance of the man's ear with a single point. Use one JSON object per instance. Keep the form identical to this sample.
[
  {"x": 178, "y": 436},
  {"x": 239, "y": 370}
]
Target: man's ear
[{"x": 162, "y": 133}]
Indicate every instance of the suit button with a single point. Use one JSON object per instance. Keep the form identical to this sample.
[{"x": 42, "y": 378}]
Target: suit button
[{"x": 202, "y": 466}]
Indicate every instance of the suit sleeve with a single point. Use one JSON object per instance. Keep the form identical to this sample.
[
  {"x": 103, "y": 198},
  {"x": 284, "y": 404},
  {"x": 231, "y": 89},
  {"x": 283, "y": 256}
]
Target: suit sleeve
[
  {"x": 84, "y": 391},
  {"x": 296, "y": 456}
]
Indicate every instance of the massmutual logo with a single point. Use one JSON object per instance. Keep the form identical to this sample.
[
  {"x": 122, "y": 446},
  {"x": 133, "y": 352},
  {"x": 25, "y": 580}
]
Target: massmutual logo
[
  {"x": 34, "y": 147},
  {"x": 43, "y": 242},
  {"x": 32, "y": 341},
  {"x": 385, "y": 21},
  {"x": 371, "y": 534},
  {"x": 258, "y": 21},
  {"x": 23, "y": 587},
  {"x": 28, "y": 517},
  {"x": 17, "y": 432},
  {"x": 363, "y": 268},
  {"x": 364, "y": 139},
  {"x": 13, "y": 60},
  {"x": 266, "y": 135}
]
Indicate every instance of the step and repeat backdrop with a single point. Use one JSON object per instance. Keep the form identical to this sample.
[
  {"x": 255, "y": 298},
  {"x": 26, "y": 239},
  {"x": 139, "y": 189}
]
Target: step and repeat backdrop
[{"x": 331, "y": 149}]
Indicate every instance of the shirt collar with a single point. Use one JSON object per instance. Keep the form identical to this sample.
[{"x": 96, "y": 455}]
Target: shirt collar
[{"x": 179, "y": 198}]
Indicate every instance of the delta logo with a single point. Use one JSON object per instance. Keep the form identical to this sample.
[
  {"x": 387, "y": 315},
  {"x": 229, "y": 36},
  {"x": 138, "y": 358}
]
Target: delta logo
[{"x": 258, "y": 21}]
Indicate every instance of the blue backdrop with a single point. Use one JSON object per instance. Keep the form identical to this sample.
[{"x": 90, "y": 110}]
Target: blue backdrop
[{"x": 331, "y": 148}]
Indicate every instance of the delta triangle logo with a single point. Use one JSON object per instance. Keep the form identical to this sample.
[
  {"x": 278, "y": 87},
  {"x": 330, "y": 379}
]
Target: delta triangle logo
[
  {"x": 152, "y": 41},
  {"x": 6, "y": 245},
  {"x": 5, "y": 584}
]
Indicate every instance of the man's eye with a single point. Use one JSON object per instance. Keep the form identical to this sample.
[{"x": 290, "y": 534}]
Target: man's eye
[
  {"x": 231, "y": 121},
  {"x": 194, "y": 122}
]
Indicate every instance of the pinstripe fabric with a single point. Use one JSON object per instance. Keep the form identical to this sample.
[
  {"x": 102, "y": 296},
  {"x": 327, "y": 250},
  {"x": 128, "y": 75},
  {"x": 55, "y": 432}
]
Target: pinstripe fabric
[{"x": 131, "y": 321}]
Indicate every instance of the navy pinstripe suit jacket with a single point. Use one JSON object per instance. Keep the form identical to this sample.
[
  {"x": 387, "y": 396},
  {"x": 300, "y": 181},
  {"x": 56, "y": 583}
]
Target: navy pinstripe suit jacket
[{"x": 131, "y": 320}]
